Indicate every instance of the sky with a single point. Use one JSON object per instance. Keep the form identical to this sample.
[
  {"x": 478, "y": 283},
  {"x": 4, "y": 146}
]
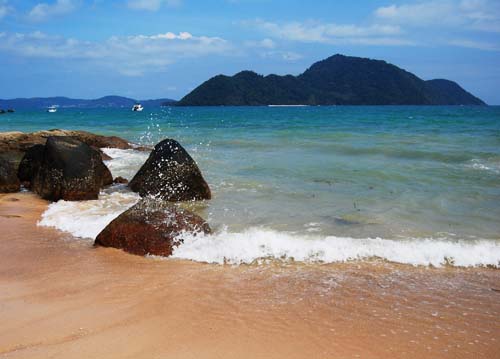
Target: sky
[{"x": 165, "y": 48}]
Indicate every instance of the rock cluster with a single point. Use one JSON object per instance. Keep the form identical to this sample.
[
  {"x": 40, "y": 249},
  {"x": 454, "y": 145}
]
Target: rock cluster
[{"x": 68, "y": 165}]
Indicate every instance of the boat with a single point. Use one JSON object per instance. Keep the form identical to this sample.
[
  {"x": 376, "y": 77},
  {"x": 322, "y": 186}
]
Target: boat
[
  {"x": 137, "y": 107},
  {"x": 11, "y": 110},
  {"x": 52, "y": 109}
]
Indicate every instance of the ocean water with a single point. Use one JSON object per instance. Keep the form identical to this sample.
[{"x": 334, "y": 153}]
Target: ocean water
[{"x": 416, "y": 185}]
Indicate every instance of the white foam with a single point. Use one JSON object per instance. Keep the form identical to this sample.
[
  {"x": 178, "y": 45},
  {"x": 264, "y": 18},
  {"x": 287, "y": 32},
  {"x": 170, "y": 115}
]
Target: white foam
[
  {"x": 257, "y": 243},
  {"x": 490, "y": 166},
  {"x": 87, "y": 219},
  {"x": 125, "y": 163}
]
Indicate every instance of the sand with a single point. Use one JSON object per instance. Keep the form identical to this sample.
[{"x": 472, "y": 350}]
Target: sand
[{"x": 62, "y": 298}]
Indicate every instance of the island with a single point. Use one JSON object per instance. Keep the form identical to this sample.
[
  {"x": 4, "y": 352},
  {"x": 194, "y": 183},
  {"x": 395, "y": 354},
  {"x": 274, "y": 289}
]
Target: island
[{"x": 337, "y": 80}]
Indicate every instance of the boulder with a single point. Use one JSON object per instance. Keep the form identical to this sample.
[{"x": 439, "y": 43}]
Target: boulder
[
  {"x": 170, "y": 174},
  {"x": 8, "y": 177},
  {"x": 151, "y": 226},
  {"x": 30, "y": 163},
  {"x": 65, "y": 169},
  {"x": 120, "y": 180},
  {"x": 17, "y": 143}
]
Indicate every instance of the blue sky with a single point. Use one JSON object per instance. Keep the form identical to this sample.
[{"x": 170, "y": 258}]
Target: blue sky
[{"x": 165, "y": 48}]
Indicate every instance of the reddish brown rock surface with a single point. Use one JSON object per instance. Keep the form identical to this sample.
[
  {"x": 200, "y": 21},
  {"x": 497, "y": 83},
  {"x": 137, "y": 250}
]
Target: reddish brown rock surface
[
  {"x": 151, "y": 227},
  {"x": 14, "y": 144},
  {"x": 8, "y": 177}
]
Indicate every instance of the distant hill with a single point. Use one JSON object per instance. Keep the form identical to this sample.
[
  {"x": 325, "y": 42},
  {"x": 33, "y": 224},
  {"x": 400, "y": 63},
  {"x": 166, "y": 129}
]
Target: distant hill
[
  {"x": 337, "y": 80},
  {"x": 107, "y": 101}
]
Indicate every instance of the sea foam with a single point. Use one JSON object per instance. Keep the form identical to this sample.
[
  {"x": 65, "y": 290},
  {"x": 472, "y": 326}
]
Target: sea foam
[
  {"x": 259, "y": 243},
  {"x": 86, "y": 219}
]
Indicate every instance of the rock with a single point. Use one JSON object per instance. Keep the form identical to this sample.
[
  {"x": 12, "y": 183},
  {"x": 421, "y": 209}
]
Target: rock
[
  {"x": 66, "y": 169},
  {"x": 170, "y": 174},
  {"x": 104, "y": 156},
  {"x": 8, "y": 177},
  {"x": 151, "y": 227},
  {"x": 30, "y": 163},
  {"x": 120, "y": 179},
  {"x": 14, "y": 144}
]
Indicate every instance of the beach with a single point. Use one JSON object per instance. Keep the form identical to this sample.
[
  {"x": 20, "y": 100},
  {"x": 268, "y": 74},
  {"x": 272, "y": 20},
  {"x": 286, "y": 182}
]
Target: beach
[{"x": 61, "y": 297}]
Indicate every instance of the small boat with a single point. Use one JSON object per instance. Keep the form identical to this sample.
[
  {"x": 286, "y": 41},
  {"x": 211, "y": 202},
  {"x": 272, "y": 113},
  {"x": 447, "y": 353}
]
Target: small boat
[
  {"x": 137, "y": 107},
  {"x": 11, "y": 110},
  {"x": 52, "y": 109},
  {"x": 2, "y": 111}
]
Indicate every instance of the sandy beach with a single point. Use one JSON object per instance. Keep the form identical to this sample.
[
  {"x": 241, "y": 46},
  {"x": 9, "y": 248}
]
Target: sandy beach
[{"x": 63, "y": 298}]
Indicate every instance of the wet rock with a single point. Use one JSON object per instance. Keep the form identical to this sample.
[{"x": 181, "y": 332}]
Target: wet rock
[
  {"x": 30, "y": 163},
  {"x": 8, "y": 177},
  {"x": 17, "y": 143},
  {"x": 66, "y": 169},
  {"x": 151, "y": 227},
  {"x": 170, "y": 174},
  {"x": 120, "y": 179}
]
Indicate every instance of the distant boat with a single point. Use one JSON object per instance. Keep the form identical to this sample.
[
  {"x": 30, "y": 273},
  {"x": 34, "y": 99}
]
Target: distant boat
[
  {"x": 52, "y": 109},
  {"x": 137, "y": 107},
  {"x": 2, "y": 111},
  {"x": 11, "y": 110}
]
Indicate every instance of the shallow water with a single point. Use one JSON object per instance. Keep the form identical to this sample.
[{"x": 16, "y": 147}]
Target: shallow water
[{"x": 418, "y": 185}]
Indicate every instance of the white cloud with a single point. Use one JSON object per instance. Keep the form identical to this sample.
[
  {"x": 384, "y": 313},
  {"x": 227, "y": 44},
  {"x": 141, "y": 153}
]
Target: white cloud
[
  {"x": 152, "y": 5},
  {"x": 43, "y": 11},
  {"x": 131, "y": 55},
  {"x": 5, "y": 9},
  {"x": 265, "y": 44},
  {"x": 482, "y": 15},
  {"x": 473, "y": 44},
  {"x": 332, "y": 33}
]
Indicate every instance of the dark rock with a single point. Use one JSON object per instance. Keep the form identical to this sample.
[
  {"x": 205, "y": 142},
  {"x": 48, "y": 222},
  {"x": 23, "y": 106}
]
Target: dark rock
[
  {"x": 11, "y": 110},
  {"x": 66, "y": 169},
  {"x": 8, "y": 177},
  {"x": 151, "y": 227},
  {"x": 104, "y": 156},
  {"x": 13, "y": 145},
  {"x": 170, "y": 174},
  {"x": 30, "y": 163},
  {"x": 120, "y": 179}
]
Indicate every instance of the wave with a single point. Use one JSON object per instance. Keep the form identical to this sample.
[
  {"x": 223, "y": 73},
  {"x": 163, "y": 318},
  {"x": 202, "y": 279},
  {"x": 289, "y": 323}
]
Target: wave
[
  {"x": 257, "y": 244},
  {"x": 125, "y": 163},
  {"x": 86, "y": 219}
]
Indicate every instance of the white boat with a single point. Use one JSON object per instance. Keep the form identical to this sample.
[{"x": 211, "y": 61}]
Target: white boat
[
  {"x": 137, "y": 107},
  {"x": 52, "y": 109}
]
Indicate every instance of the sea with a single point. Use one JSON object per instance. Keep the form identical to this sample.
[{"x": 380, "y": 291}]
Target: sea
[{"x": 415, "y": 185}]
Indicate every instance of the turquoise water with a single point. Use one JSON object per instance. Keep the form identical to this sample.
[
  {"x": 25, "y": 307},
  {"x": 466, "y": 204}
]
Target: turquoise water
[{"x": 397, "y": 173}]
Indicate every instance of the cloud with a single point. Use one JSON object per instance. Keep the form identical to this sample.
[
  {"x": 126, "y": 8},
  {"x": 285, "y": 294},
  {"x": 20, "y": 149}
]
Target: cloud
[
  {"x": 481, "y": 15},
  {"x": 130, "y": 55},
  {"x": 473, "y": 44},
  {"x": 152, "y": 5},
  {"x": 43, "y": 11},
  {"x": 5, "y": 9},
  {"x": 265, "y": 43},
  {"x": 329, "y": 33}
]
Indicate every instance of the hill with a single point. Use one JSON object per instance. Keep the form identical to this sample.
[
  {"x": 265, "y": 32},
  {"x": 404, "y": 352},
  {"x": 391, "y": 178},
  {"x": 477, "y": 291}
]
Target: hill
[
  {"x": 337, "y": 80},
  {"x": 103, "y": 102}
]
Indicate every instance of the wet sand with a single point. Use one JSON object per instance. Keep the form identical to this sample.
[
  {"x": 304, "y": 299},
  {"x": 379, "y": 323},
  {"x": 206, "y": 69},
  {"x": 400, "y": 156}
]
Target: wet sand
[{"x": 62, "y": 298}]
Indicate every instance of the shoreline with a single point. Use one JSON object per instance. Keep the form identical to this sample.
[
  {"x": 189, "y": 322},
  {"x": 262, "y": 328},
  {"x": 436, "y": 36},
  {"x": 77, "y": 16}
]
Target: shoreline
[{"x": 61, "y": 297}]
